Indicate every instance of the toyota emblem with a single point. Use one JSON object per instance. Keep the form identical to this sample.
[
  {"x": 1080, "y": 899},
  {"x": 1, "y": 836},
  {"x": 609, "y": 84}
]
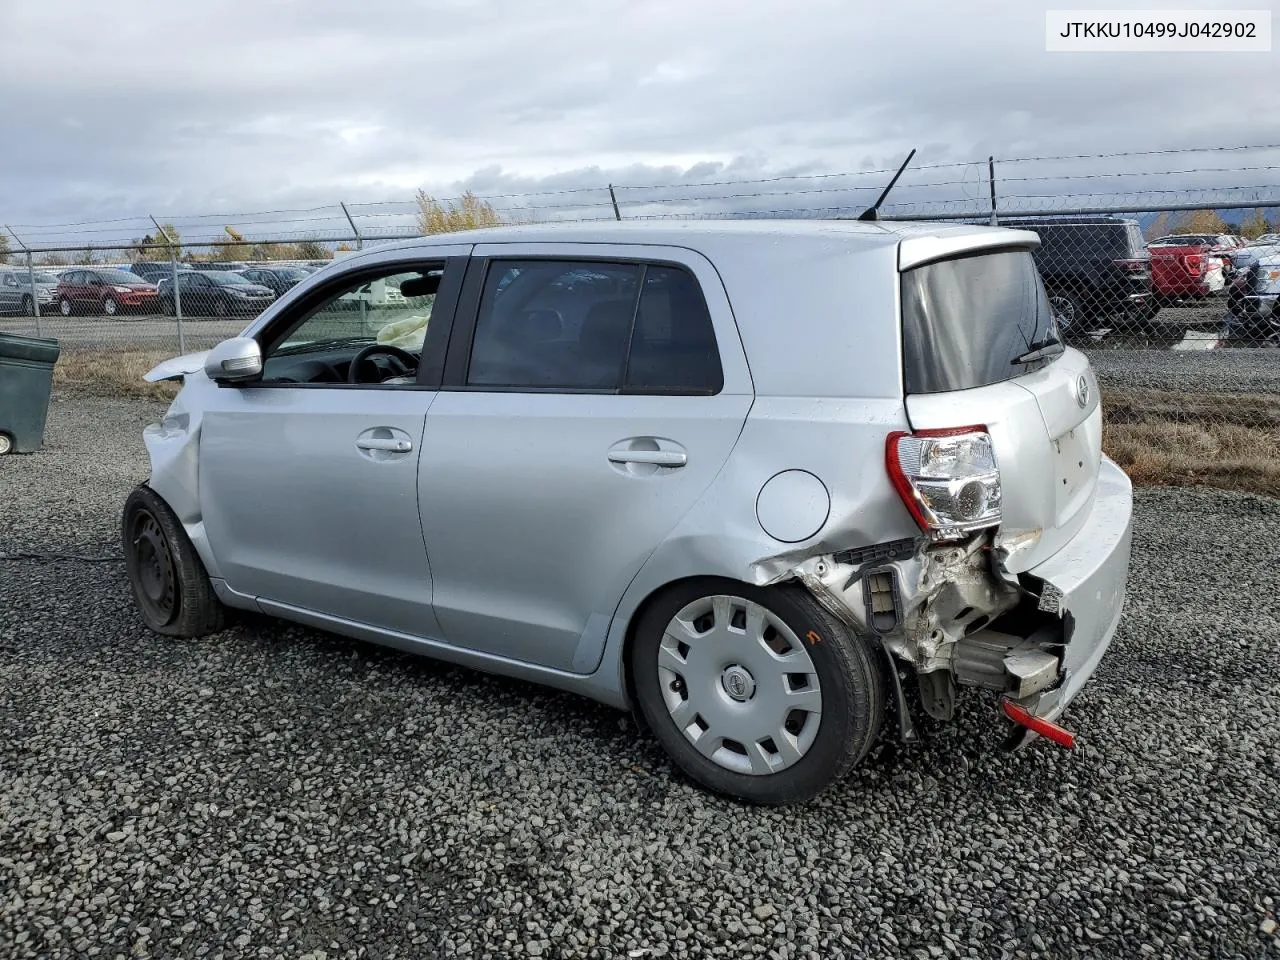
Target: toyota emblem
[{"x": 1082, "y": 390}]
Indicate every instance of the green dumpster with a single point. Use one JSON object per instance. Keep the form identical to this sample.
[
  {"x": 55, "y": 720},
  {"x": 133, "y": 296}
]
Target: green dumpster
[{"x": 26, "y": 379}]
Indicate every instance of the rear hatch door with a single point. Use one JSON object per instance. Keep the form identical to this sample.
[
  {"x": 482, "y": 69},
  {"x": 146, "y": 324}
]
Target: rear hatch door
[{"x": 980, "y": 347}]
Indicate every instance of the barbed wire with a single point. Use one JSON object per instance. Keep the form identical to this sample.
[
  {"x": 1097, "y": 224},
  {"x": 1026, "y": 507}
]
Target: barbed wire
[{"x": 794, "y": 196}]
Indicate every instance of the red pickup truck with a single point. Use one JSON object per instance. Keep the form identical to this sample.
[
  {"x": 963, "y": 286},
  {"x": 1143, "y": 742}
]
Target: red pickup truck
[{"x": 1185, "y": 268}]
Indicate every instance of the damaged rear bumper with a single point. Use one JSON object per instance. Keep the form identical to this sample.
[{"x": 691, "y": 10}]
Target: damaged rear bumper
[
  {"x": 1090, "y": 573},
  {"x": 954, "y": 616}
]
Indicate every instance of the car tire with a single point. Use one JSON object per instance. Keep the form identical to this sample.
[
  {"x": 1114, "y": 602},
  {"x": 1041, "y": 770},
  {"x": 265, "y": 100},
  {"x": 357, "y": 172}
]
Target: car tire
[
  {"x": 6, "y": 444},
  {"x": 1070, "y": 310},
  {"x": 220, "y": 309},
  {"x": 844, "y": 670},
  {"x": 170, "y": 586},
  {"x": 110, "y": 308},
  {"x": 167, "y": 308},
  {"x": 28, "y": 308},
  {"x": 66, "y": 307}
]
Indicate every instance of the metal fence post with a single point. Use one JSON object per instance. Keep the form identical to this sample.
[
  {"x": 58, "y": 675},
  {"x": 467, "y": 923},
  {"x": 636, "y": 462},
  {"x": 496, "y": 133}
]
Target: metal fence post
[
  {"x": 991, "y": 179},
  {"x": 354, "y": 229},
  {"x": 35, "y": 297},
  {"x": 613, "y": 197},
  {"x": 177, "y": 293},
  {"x": 31, "y": 277}
]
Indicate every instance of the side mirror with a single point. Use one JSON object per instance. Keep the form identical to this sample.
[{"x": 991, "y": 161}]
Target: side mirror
[{"x": 234, "y": 361}]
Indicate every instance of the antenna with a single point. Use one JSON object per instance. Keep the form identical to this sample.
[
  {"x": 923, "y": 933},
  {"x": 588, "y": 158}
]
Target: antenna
[{"x": 873, "y": 212}]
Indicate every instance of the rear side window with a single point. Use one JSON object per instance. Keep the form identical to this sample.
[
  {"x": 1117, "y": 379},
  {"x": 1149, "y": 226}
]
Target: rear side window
[
  {"x": 597, "y": 326},
  {"x": 974, "y": 321}
]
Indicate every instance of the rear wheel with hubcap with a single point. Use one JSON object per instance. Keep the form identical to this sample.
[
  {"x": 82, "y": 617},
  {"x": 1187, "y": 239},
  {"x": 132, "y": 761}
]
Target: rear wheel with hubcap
[
  {"x": 28, "y": 306},
  {"x": 756, "y": 693},
  {"x": 169, "y": 583}
]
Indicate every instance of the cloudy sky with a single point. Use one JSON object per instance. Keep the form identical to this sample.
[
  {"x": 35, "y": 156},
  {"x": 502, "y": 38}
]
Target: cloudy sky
[{"x": 182, "y": 108}]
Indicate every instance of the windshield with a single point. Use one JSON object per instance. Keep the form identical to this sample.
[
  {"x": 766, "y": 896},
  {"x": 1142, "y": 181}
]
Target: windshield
[
  {"x": 120, "y": 276},
  {"x": 225, "y": 277},
  {"x": 43, "y": 276},
  {"x": 290, "y": 273},
  {"x": 974, "y": 321}
]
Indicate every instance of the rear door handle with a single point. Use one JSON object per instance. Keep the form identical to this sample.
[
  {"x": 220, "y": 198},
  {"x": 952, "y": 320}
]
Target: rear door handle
[
  {"x": 659, "y": 458},
  {"x": 390, "y": 444}
]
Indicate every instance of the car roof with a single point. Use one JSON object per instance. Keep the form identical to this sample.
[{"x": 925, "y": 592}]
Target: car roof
[{"x": 921, "y": 241}]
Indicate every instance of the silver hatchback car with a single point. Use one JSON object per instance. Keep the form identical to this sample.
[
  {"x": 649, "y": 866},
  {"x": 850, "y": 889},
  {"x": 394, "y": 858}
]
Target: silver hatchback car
[{"x": 780, "y": 488}]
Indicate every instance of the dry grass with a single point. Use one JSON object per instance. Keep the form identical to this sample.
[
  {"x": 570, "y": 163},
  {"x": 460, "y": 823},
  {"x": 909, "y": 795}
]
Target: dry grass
[
  {"x": 115, "y": 373},
  {"x": 1164, "y": 453},
  {"x": 1141, "y": 405}
]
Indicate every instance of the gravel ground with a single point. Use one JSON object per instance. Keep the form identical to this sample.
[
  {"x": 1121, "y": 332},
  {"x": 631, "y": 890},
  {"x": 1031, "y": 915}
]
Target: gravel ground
[
  {"x": 275, "y": 791},
  {"x": 1222, "y": 370}
]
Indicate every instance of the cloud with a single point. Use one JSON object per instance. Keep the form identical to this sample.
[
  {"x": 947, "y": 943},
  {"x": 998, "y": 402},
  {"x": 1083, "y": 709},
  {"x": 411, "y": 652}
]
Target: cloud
[{"x": 180, "y": 109}]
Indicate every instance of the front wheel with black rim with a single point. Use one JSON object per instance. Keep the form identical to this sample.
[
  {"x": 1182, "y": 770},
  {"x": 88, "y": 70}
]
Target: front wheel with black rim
[
  {"x": 169, "y": 582},
  {"x": 757, "y": 693},
  {"x": 1068, "y": 311},
  {"x": 220, "y": 309}
]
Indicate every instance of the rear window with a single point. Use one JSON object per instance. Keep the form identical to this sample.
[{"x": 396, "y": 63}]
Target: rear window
[{"x": 974, "y": 321}]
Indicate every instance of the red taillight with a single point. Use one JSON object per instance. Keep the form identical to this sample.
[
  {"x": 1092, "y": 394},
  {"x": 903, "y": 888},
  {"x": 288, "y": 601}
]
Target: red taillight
[
  {"x": 948, "y": 479},
  {"x": 1194, "y": 262}
]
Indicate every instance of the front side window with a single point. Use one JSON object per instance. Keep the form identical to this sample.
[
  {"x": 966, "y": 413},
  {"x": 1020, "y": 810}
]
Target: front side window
[
  {"x": 378, "y": 324},
  {"x": 585, "y": 325}
]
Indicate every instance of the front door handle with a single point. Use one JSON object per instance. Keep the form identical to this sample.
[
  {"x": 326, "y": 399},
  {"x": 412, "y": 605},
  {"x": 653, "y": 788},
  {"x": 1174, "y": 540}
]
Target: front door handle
[
  {"x": 659, "y": 458},
  {"x": 390, "y": 444}
]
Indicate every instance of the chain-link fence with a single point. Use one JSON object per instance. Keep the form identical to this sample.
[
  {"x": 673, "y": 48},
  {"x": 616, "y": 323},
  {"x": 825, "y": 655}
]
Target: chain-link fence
[{"x": 1163, "y": 265}]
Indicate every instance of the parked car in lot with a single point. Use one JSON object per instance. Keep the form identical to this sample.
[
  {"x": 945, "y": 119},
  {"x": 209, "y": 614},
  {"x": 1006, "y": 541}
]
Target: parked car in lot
[
  {"x": 279, "y": 279},
  {"x": 105, "y": 290},
  {"x": 775, "y": 541},
  {"x": 1253, "y": 303},
  {"x": 1254, "y": 250},
  {"x": 1096, "y": 270},
  {"x": 154, "y": 271},
  {"x": 1218, "y": 245},
  {"x": 17, "y": 295},
  {"x": 216, "y": 293},
  {"x": 216, "y": 265},
  {"x": 1184, "y": 268}
]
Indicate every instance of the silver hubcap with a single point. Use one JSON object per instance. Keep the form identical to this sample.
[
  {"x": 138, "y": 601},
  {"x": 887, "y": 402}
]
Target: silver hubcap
[
  {"x": 739, "y": 685},
  {"x": 109, "y": 307}
]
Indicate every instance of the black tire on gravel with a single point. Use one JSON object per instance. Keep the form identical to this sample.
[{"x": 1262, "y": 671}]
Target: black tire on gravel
[
  {"x": 170, "y": 586},
  {"x": 850, "y": 675}
]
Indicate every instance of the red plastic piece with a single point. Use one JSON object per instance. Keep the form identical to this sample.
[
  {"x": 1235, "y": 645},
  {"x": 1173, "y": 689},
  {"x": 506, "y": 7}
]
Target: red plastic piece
[{"x": 1046, "y": 728}]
